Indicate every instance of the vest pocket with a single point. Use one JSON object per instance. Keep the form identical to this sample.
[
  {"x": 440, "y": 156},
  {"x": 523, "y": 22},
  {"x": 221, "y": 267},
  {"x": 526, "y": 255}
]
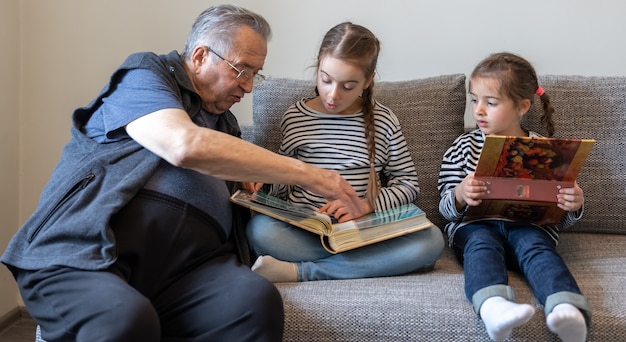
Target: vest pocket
[{"x": 80, "y": 185}]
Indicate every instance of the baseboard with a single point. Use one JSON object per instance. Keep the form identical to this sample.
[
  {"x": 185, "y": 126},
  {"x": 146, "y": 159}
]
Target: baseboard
[
  {"x": 10, "y": 318},
  {"x": 13, "y": 316}
]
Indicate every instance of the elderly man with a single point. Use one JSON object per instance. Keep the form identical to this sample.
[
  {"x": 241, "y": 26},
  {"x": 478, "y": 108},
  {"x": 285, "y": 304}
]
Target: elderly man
[{"x": 133, "y": 238}]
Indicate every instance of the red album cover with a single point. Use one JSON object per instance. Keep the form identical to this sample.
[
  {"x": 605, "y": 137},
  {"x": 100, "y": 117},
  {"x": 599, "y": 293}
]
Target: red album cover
[{"x": 524, "y": 175}]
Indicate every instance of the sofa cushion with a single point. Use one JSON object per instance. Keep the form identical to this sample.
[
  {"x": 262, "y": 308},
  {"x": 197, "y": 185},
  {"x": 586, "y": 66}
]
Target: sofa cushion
[
  {"x": 430, "y": 111},
  {"x": 432, "y": 306},
  {"x": 578, "y": 101}
]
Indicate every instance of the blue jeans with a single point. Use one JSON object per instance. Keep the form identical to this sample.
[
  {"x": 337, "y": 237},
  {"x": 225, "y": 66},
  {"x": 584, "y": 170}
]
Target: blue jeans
[
  {"x": 488, "y": 248},
  {"x": 404, "y": 254}
]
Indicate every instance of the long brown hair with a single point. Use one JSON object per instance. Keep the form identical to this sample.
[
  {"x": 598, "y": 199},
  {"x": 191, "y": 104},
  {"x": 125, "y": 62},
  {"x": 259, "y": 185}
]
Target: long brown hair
[
  {"x": 356, "y": 44},
  {"x": 518, "y": 81}
]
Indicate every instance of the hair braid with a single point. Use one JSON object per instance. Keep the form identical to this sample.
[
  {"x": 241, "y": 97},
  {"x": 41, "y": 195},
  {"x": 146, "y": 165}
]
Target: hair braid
[
  {"x": 373, "y": 185},
  {"x": 546, "y": 117}
]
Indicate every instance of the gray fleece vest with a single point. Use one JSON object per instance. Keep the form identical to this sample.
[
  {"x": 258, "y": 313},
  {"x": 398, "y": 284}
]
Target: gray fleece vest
[{"x": 92, "y": 181}]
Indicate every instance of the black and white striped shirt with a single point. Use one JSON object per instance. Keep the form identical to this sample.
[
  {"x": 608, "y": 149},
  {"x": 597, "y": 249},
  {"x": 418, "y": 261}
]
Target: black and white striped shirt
[
  {"x": 460, "y": 160},
  {"x": 338, "y": 142}
]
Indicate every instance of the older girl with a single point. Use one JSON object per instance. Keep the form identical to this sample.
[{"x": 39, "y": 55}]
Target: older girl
[{"x": 344, "y": 129}]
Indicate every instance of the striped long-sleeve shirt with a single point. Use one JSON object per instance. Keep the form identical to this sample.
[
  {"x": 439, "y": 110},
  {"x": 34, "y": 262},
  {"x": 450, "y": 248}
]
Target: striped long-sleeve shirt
[
  {"x": 460, "y": 160},
  {"x": 338, "y": 142}
]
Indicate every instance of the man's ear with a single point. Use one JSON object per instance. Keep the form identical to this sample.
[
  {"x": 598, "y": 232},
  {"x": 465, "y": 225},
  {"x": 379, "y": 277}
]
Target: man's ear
[{"x": 198, "y": 56}]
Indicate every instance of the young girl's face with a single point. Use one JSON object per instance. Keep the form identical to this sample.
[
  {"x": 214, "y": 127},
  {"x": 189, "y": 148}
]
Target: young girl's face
[
  {"x": 495, "y": 113},
  {"x": 340, "y": 84}
]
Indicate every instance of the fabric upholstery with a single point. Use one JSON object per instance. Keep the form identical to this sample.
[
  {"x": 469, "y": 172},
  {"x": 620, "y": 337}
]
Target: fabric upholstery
[
  {"x": 432, "y": 306},
  {"x": 593, "y": 108}
]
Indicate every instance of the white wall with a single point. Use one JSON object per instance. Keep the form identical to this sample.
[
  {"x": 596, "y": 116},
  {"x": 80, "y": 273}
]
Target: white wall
[
  {"x": 9, "y": 141},
  {"x": 68, "y": 58},
  {"x": 69, "y": 48}
]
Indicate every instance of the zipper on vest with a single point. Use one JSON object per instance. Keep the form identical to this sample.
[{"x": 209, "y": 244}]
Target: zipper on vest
[{"x": 76, "y": 188}]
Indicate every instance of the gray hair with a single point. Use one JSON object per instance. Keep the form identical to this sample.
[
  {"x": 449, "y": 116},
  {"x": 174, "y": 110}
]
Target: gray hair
[{"x": 217, "y": 25}]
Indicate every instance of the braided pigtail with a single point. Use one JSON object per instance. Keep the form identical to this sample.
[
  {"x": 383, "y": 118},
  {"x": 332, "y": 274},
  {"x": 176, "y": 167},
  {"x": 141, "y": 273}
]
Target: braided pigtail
[
  {"x": 373, "y": 185},
  {"x": 548, "y": 110}
]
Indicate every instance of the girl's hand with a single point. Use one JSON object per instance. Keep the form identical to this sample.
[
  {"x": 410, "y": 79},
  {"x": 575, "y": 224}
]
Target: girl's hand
[
  {"x": 570, "y": 199},
  {"x": 469, "y": 192},
  {"x": 251, "y": 186},
  {"x": 338, "y": 210}
]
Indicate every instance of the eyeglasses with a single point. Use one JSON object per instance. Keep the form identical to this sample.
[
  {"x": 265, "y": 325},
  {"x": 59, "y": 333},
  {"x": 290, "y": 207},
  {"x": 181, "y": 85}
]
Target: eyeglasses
[{"x": 243, "y": 75}]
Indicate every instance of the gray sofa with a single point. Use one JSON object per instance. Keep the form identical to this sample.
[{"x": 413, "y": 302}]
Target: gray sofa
[{"x": 431, "y": 306}]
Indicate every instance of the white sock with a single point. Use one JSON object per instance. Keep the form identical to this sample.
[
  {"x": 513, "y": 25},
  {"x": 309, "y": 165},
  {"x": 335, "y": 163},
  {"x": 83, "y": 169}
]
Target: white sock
[
  {"x": 568, "y": 322},
  {"x": 501, "y": 316},
  {"x": 275, "y": 270}
]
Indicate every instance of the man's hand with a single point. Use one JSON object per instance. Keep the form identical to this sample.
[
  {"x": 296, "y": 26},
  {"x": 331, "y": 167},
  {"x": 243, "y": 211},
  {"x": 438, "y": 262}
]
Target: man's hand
[
  {"x": 333, "y": 187},
  {"x": 251, "y": 186}
]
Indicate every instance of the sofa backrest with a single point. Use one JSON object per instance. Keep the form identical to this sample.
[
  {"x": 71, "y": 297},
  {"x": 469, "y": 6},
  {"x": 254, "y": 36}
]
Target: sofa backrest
[
  {"x": 430, "y": 111},
  {"x": 595, "y": 108}
]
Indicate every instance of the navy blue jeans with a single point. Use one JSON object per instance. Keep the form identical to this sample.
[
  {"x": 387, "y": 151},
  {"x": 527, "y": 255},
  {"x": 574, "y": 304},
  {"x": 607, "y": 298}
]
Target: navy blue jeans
[{"x": 487, "y": 249}]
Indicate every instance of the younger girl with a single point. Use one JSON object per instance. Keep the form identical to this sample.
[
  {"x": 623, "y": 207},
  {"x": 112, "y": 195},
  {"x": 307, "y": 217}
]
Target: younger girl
[
  {"x": 502, "y": 88},
  {"x": 344, "y": 129}
]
